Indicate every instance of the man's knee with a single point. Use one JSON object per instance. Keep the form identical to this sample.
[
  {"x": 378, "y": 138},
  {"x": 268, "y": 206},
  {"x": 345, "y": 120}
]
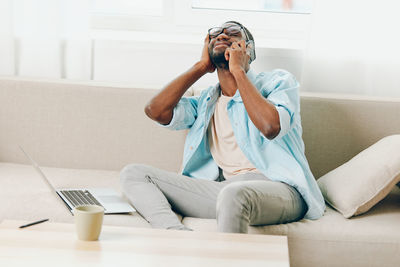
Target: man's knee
[
  {"x": 133, "y": 172},
  {"x": 234, "y": 198}
]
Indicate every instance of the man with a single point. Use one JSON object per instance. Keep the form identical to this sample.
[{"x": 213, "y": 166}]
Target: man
[{"x": 244, "y": 160}]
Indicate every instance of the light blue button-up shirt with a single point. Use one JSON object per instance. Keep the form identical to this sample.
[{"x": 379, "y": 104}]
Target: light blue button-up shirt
[{"x": 281, "y": 159}]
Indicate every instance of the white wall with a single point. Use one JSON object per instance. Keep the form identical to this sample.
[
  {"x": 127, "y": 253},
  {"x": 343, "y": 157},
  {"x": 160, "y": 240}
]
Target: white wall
[
  {"x": 149, "y": 64},
  {"x": 7, "y": 51},
  {"x": 65, "y": 39},
  {"x": 352, "y": 46},
  {"x": 143, "y": 64}
]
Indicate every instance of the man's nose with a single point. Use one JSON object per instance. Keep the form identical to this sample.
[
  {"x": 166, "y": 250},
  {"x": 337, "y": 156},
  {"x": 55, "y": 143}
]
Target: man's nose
[{"x": 222, "y": 36}]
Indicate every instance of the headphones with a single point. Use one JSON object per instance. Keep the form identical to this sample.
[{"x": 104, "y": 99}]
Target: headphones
[{"x": 252, "y": 50}]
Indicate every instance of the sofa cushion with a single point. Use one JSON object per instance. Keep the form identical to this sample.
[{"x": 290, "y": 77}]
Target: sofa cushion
[
  {"x": 25, "y": 196},
  {"x": 356, "y": 186},
  {"x": 355, "y": 241},
  {"x": 378, "y": 225},
  {"x": 332, "y": 226},
  {"x": 210, "y": 225}
]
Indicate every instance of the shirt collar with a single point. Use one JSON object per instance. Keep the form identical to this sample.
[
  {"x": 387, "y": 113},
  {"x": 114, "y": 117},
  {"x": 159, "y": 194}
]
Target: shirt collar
[
  {"x": 251, "y": 75},
  {"x": 215, "y": 91}
]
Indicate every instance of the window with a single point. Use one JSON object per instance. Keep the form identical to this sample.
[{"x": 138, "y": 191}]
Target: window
[
  {"x": 128, "y": 7},
  {"x": 275, "y": 23},
  {"x": 289, "y": 6}
]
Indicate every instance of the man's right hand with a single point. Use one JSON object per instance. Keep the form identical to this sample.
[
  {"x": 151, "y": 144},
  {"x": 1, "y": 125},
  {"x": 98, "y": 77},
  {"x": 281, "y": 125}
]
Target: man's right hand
[
  {"x": 160, "y": 108},
  {"x": 205, "y": 59}
]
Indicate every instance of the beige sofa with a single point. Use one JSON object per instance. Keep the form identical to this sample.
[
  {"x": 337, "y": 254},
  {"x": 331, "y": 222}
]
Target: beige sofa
[{"x": 83, "y": 134}]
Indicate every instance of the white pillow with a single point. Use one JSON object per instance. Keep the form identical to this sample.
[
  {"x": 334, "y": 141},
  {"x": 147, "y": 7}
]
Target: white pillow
[{"x": 356, "y": 186}]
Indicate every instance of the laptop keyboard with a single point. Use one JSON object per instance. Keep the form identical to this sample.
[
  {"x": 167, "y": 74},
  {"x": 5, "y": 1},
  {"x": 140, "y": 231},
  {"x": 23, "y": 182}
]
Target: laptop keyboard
[{"x": 80, "y": 197}]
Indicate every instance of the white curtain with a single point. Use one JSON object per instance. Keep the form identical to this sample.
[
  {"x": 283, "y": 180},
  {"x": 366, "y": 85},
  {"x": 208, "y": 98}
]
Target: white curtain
[
  {"x": 45, "y": 38},
  {"x": 354, "y": 48}
]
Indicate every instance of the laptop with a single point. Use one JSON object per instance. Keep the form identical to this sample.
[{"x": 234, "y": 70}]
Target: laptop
[{"x": 105, "y": 197}]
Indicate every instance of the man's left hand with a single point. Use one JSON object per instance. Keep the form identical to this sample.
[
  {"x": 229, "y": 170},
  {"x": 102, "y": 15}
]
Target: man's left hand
[{"x": 237, "y": 56}]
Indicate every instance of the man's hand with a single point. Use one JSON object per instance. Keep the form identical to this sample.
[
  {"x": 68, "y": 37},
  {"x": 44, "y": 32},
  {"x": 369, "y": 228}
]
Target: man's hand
[
  {"x": 160, "y": 108},
  {"x": 237, "y": 56},
  {"x": 205, "y": 57}
]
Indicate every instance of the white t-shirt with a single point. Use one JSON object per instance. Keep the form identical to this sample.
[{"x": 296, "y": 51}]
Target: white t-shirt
[{"x": 223, "y": 146}]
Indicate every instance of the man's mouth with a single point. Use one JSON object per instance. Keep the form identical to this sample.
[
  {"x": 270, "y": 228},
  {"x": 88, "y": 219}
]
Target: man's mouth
[{"x": 221, "y": 44}]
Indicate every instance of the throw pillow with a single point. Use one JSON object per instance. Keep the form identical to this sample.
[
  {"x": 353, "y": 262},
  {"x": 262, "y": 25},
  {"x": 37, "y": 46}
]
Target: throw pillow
[{"x": 356, "y": 186}]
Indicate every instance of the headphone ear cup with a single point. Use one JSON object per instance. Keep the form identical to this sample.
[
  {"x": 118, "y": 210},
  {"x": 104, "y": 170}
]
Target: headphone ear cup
[{"x": 251, "y": 50}]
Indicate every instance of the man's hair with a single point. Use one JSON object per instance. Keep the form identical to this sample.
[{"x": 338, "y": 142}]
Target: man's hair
[{"x": 250, "y": 36}]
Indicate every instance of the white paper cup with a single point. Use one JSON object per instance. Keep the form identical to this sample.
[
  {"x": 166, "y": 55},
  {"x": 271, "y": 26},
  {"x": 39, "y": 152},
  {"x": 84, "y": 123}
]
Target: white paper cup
[{"x": 88, "y": 222}]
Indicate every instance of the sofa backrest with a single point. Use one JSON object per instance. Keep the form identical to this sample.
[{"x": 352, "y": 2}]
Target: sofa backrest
[
  {"x": 76, "y": 125},
  {"x": 338, "y": 127},
  {"x": 94, "y": 126}
]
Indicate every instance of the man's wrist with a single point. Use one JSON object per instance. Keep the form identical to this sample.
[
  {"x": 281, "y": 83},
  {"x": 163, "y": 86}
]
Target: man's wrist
[
  {"x": 238, "y": 72},
  {"x": 201, "y": 67}
]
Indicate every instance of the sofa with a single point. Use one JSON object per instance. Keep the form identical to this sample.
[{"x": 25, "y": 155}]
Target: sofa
[{"x": 84, "y": 133}]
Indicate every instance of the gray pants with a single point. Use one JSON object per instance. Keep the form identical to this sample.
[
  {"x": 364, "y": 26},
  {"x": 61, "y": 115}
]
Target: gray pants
[{"x": 236, "y": 203}]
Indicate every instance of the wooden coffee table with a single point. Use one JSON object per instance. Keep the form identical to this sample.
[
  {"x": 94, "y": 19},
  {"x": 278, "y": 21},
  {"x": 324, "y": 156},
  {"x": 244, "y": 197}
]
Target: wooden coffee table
[{"x": 56, "y": 244}]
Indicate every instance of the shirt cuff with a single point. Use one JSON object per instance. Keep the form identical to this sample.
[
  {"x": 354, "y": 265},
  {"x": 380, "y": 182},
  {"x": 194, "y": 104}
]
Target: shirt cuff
[
  {"x": 284, "y": 120},
  {"x": 174, "y": 121}
]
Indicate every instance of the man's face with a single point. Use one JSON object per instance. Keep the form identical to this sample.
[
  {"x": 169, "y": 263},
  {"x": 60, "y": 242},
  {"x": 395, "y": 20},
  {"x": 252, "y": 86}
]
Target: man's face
[{"x": 220, "y": 42}]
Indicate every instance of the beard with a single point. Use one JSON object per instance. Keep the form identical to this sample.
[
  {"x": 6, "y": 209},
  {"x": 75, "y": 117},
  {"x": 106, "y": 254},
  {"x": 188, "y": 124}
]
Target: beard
[{"x": 218, "y": 59}]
